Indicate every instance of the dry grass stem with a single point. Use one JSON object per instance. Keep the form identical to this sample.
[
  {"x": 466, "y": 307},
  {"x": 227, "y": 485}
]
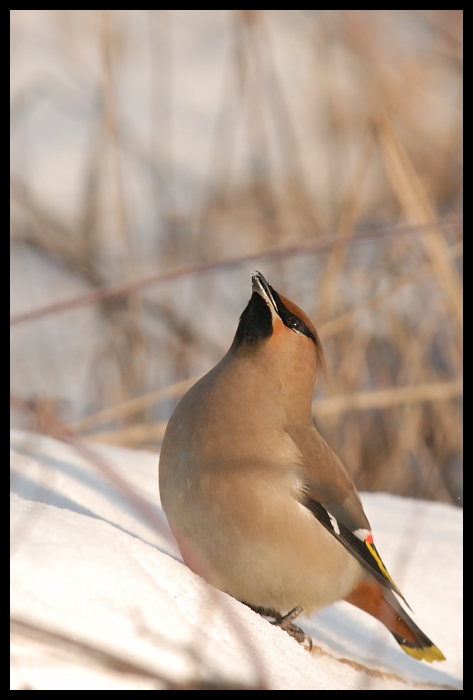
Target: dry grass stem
[{"x": 386, "y": 398}]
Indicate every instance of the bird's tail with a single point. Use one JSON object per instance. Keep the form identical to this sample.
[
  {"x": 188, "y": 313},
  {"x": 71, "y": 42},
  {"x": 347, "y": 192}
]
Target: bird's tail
[{"x": 382, "y": 604}]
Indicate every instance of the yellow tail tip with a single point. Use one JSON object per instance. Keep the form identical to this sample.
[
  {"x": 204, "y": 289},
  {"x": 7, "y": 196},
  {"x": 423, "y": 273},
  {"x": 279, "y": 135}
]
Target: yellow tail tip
[{"x": 429, "y": 654}]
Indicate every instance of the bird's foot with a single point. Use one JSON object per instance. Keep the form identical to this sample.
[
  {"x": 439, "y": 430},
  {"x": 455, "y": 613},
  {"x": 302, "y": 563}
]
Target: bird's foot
[{"x": 285, "y": 622}]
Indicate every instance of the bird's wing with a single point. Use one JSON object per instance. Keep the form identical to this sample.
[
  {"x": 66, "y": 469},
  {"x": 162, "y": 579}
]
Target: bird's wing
[{"x": 332, "y": 498}]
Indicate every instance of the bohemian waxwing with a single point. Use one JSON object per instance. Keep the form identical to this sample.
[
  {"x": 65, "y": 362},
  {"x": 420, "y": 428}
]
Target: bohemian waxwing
[{"x": 257, "y": 501}]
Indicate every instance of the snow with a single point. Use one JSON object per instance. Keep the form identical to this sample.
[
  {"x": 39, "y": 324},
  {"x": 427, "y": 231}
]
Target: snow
[{"x": 87, "y": 566}]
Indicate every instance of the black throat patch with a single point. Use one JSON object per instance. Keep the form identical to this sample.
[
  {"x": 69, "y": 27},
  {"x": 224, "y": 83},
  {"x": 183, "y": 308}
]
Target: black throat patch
[{"x": 256, "y": 324}]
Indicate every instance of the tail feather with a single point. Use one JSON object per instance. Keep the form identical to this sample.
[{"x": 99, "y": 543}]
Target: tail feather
[{"x": 380, "y": 602}]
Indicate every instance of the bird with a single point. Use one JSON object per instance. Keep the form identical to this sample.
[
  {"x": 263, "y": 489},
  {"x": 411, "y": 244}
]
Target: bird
[{"x": 259, "y": 504}]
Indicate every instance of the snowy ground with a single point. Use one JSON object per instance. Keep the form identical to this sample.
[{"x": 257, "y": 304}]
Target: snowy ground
[{"x": 117, "y": 608}]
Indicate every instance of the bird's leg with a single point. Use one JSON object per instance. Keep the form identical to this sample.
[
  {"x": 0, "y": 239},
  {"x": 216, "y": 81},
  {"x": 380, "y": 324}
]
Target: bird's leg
[
  {"x": 265, "y": 612},
  {"x": 291, "y": 615},
  {"x": 285, "y": 622}
]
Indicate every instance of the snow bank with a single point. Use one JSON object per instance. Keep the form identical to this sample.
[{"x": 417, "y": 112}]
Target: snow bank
[{"x": 119, "y": 609}]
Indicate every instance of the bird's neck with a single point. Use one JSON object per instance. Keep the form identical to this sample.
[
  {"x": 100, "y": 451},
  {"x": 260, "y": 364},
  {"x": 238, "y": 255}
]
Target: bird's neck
[{"x": 270, "y": 381}]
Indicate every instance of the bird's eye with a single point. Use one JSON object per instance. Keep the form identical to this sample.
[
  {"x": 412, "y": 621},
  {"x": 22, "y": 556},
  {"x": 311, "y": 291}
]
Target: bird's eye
[{"x": 294, "y": 324}]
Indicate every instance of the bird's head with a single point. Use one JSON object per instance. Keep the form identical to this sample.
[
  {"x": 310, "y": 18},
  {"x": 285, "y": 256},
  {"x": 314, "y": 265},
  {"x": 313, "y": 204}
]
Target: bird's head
[{"x": 277, "y": 329}]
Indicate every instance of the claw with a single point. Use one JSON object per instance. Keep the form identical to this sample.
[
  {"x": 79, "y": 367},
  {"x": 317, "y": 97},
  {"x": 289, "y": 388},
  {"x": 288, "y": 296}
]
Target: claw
[{"x": 285, "y": 622}]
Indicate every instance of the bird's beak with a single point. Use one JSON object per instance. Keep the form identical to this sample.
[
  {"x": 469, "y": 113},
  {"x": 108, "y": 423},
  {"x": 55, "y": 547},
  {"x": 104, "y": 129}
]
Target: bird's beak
[{"x": 261, "y": 287}]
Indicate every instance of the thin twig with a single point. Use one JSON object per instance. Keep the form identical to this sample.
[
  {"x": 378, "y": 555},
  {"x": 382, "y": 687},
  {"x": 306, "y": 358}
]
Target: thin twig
[
  {"x": 419, "y": 209},
  {"x": 357, "y": 401},
  {"x": 316, "y": 245},
  {"x": 135, "y": 405},
  {"x": 387, "y": 398},
  {"x": 111, "y": 660}
]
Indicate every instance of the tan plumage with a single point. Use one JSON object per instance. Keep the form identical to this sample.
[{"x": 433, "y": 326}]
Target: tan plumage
[{"x": 258, "y": 502}]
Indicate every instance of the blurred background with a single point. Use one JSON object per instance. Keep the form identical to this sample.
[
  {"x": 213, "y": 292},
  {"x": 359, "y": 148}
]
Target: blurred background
[{"x": 162, "y": 155}]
